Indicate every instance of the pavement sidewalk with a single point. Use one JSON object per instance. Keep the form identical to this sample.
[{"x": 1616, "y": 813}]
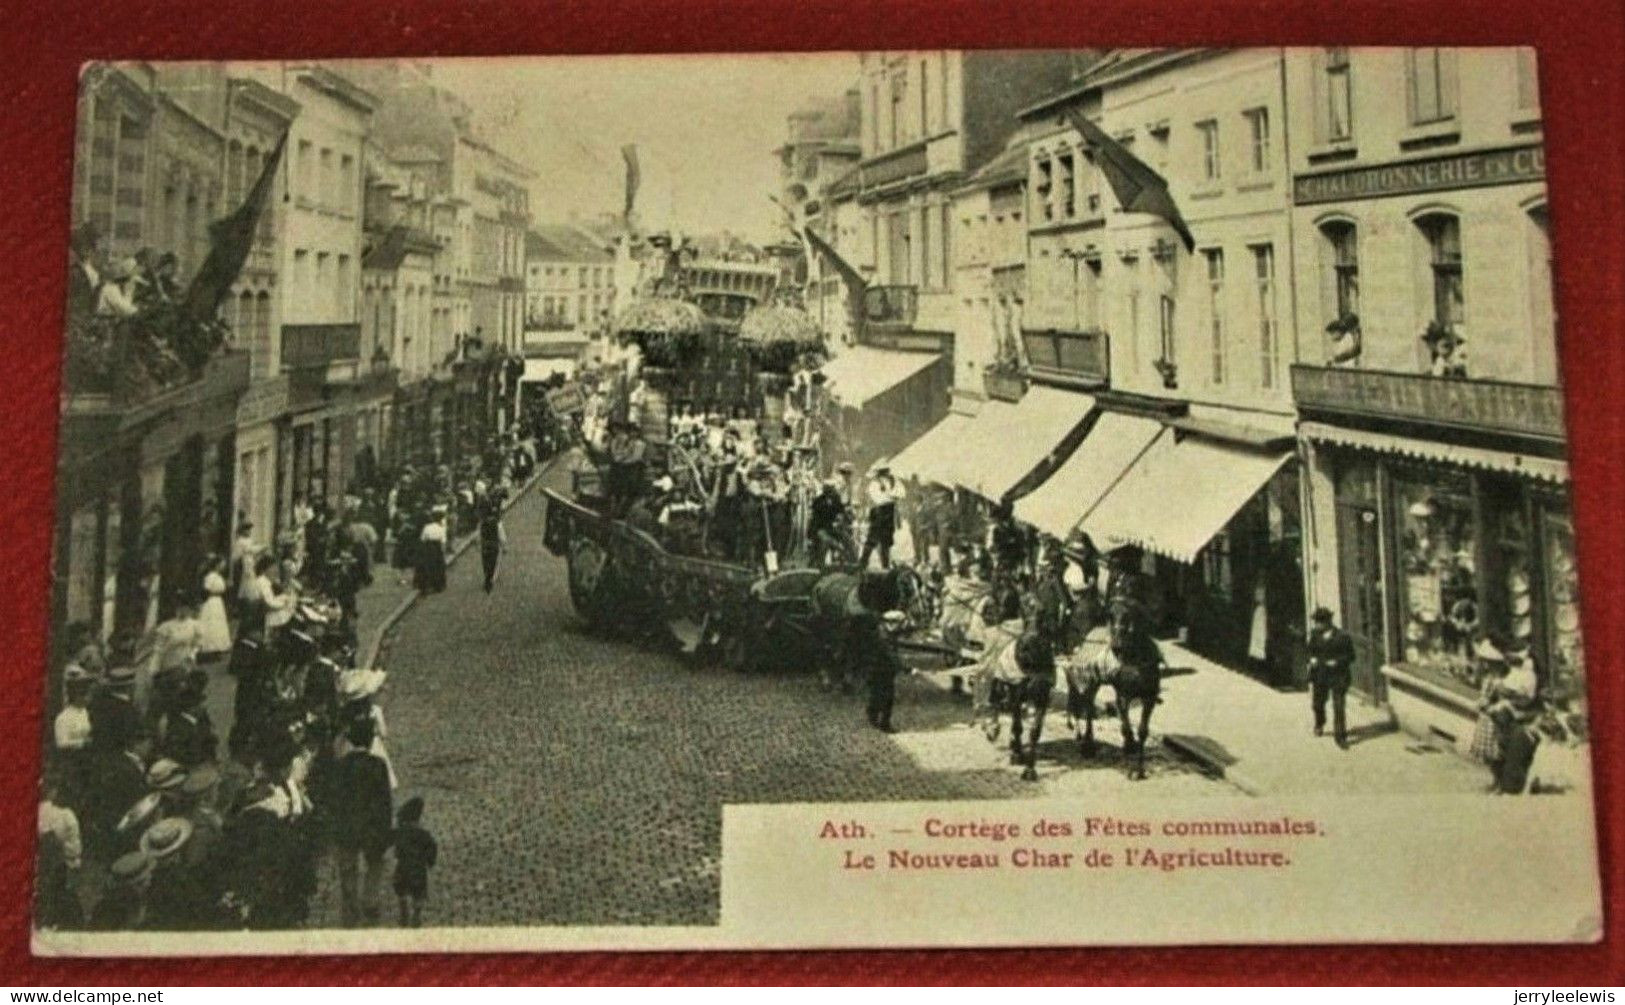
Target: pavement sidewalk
[{"x": 1262, "y": 740}]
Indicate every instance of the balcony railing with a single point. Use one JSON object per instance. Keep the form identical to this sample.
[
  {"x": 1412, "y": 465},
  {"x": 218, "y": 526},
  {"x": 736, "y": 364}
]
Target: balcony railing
[
  {"x": 891, "y": 305},
  {"x": 1081, "y": 355},
  {"x": 1498, "y": 406},
  {"x": 309, "y": 346}
]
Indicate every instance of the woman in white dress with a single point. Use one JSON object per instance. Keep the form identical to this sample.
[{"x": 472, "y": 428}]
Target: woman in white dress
[{"x": 215, "y": 630}]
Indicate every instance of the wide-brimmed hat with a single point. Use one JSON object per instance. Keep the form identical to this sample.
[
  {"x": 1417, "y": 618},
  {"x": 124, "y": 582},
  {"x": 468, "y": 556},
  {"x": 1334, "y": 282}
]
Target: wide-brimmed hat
[
  {"x": 200, "y": 780},
  {"x": 1321, "y": 614},
  {"x": 359, "y": 683},
  {"x": 165, "y": 774},
  {"x": 166, "y": 837},
  {"x": 130, "y": 869},
  {"x": 138, "y": 816}
]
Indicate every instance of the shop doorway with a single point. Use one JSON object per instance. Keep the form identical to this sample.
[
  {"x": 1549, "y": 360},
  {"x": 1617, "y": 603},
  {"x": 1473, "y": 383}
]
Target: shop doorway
[{"x": 1360, "y": 559}]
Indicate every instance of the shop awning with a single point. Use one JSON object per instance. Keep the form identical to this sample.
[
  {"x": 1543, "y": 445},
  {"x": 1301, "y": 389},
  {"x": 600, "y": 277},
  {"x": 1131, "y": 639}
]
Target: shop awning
[
  {"x": 1179, "y": 494},
  {"x": 938, "y": 456},
  {"x": 1544, "y": 468},
  {"x": 860, "y": 373},
  {"x": 1100, "y": 460},
  {"x": 1005, "y": 442}
]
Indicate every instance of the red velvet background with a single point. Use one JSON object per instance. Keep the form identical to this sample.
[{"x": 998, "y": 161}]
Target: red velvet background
[{"x": 1581, "y": 48}]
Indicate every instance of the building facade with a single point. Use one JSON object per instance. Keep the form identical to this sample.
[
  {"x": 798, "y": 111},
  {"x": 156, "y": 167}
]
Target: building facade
[
  {"x": 145, "y": 471},
  {"x": 259, "y": 118},
  {"x": 320, "y": 282},
  {"x": 990, "y": 267},
  {"x": 1438, "y": 495},
  {"x": 570, "y": 282}
]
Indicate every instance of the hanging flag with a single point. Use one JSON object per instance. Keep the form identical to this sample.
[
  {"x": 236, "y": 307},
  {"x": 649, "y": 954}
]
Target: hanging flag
[
  {"x": 1138, "y": 188},
  {"x": 634, "y": 177},
  {"x": 230, "y": 240},
  {"x": 850, "y": 277}
]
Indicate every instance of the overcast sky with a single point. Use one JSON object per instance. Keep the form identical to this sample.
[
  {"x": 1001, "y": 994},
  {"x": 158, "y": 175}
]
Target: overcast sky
[{"x": 705, "y": 127}]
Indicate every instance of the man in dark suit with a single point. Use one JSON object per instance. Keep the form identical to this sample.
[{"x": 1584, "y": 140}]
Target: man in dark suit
[
  {"x": 188, "y": 734},
  {"x": 114, "y": 719},
  {"x": 120, "y": 783},
  {"x": 875, "y": 652},
  {"x": 363, "y": 816},
  {"x": 1331, "y": 663}
]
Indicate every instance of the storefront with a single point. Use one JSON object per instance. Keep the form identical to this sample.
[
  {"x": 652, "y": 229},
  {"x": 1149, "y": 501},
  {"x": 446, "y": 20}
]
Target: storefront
[
  {"x": 146, "y": 490},
  {"x": 1216, "y": 521},
  {"x": 1439, "y": 546}
]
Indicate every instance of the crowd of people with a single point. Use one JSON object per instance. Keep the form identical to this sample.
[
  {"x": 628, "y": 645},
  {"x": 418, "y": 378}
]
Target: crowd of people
[{"x": 160, "y": 813}]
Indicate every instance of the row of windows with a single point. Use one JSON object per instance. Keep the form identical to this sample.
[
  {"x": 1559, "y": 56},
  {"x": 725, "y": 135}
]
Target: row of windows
[
  {"x": 1000, "y": 237},
  {"x": 558, "y": 309},
  {"x": 324, "y": 280},
  {"x": 1442, "y": 266},
  {"x": 587, "y": 276},
  {"x": 918, "y": 245},
  {"x": 914, "y": 95},
  {"x": 327, "y": 178},
  {"x": 1432, "y": 89},
  {"x": 1263, "y": 319}
]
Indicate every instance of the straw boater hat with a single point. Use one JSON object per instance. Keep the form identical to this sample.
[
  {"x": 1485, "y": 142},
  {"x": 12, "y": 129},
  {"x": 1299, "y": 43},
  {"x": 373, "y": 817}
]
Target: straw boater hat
[
  {"x": 200, "y": 781},
  {"x": 166, "y": 837},
  {"x": 165, "y": 774},
  {"x": 138, "y": 816},
  {"x": 121, "y": 676},
  {"x": 357, "y": 683},
  {"x": 131, "y": 869}
]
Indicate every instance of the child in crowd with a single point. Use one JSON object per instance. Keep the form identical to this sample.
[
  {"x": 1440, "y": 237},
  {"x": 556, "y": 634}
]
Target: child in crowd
[{"x": 415, "y": 853}]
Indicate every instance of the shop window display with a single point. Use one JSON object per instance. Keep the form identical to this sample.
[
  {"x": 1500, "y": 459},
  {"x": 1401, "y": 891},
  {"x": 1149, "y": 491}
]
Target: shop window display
[
  {"x": 1565, "y": 683},
  {"x": 1439, "y": 576}
]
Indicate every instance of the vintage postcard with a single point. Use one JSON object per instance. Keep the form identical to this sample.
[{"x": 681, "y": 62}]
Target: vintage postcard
[{"x": 945, "y": 498}]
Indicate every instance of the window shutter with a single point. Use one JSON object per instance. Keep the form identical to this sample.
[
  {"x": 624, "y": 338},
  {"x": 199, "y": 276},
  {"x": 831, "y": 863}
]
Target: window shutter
[
  {"x": 1320, "y": 96},
  {"x": 1447, "y": 82}
]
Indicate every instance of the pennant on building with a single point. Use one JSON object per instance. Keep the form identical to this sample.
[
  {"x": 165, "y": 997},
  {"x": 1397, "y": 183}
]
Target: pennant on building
[
  {"x": 230, "y": 240},
  {"x": 634, "y": 177},
  {"x": 1138, "y": 188},
  {"x": 851, "y": 278}
]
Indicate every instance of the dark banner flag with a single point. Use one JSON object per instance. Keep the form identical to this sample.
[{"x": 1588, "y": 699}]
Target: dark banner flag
[
  {"x": 634, "y": 176},
  {"x": 231, "y": 238},
  {"x": 1138, "y": 188},
  {"x": 850, "y": 277}
]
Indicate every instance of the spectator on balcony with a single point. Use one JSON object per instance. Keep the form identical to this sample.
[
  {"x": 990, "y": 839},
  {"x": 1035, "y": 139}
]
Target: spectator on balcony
[
  {"x": 84, "y": 276},
  {"x": 166, "y": 278},
  {"x": 117, "y": 297}
]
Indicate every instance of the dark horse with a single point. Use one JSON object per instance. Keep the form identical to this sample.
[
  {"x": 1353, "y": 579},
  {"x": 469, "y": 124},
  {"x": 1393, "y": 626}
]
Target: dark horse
[
  {"x": 1131, "y": 665},
  {"x": 845, "y": 602},
  {"x": 1017, "y": 678}
]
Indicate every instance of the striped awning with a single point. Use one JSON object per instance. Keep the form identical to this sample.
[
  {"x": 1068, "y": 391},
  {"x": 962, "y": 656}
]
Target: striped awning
[
  {"x": 938, "y": 456},
  {"x": 1094, "y": 468},
  {"x": 1542, "y": 468},
  {"x": 1005, "y": 442},
  {"x": 858, "y": 374},
  {"x": 1179, "y": 494}
]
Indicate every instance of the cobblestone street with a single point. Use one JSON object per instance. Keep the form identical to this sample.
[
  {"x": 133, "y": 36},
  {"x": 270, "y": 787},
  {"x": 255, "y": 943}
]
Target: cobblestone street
[{"x": 575, "y": 780}]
